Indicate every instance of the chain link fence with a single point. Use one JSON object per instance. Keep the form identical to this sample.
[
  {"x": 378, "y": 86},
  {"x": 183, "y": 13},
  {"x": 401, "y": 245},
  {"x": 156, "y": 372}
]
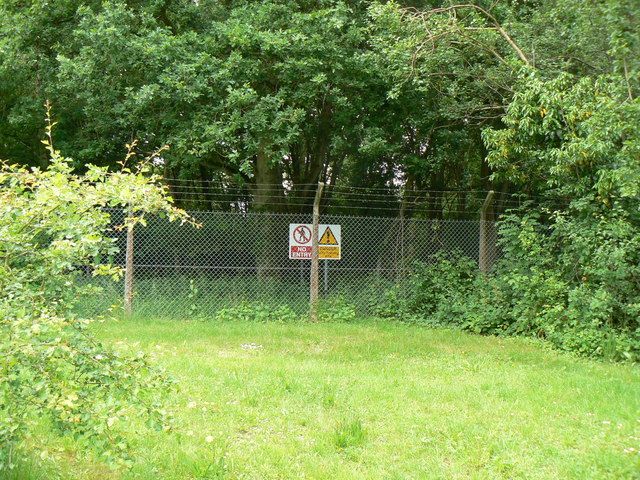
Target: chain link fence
[{"x": 240, "y": 262}]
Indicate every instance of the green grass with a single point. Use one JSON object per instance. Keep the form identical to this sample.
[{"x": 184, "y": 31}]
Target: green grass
[{"x": 376, "y": 400}]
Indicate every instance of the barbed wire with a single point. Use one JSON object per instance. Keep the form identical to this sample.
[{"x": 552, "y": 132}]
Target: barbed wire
[
  {"x": 280, "y": 188},
  {"x": 270, "y": 197},
  {"x": 283, "y": 185},
  {"x": 359, "y": 191}
]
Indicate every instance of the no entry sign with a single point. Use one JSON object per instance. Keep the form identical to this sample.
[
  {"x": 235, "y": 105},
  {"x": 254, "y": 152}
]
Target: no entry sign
[{"x": 301, "y": 236}]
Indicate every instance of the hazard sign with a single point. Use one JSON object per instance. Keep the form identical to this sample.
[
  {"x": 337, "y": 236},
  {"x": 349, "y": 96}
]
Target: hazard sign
[
  {"x": 328, "y": 238},
  {"x": 301, "y": 241}
]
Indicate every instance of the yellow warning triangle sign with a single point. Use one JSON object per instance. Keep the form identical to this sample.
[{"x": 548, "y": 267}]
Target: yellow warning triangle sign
[{"x": 328, "y": 238}]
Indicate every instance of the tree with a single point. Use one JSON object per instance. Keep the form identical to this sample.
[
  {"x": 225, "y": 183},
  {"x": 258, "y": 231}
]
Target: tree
[
  {"x": 253, "y": 95},
  {"x": 247, "y": 92}
]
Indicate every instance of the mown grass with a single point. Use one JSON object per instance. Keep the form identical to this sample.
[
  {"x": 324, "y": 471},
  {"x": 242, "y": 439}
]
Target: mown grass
[{"x": 375, "y": 400}]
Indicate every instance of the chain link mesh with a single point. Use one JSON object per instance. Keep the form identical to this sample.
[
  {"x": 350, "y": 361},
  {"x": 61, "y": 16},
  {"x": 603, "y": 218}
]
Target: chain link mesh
[{"x": 238, "y": 259}]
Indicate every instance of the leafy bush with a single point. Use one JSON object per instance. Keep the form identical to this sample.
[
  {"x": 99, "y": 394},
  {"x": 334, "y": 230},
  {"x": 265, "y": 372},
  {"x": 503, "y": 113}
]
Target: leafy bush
[
  {"x": 257, "y": 312},
  {"x": 435, "y": 292},
  {"x": 52, "y": 368},
  {"x": 572, "y": 270},
  {"x": 336, "y": 309},
  {"x": 573, "y": 283}
]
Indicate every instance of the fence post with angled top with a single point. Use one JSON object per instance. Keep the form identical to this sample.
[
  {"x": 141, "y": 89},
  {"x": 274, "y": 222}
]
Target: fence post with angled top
[
  {"x": 487, "y": 237},
  {"x": 313, "y": 281}
]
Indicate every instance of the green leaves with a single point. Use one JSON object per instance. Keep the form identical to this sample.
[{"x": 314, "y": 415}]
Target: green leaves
[
  {"x": 574, "y": 136},
  {"x": 53, "y": 225}
]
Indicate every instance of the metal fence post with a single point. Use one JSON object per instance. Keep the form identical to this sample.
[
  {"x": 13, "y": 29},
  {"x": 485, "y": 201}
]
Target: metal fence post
[
  {"x": 313, "y": 283},
  {"x": 128, "y": 273},
  {"x": 487, "y": 239}
]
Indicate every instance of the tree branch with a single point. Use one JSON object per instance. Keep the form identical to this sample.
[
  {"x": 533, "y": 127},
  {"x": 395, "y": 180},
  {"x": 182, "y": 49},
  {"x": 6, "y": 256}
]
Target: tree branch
[{"x": 489, "y": 16}]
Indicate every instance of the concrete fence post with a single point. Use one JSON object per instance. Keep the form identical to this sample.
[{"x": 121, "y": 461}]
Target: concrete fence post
[
  {"x": 487, "y": 245},
  {"x": 313, "y": 281}
]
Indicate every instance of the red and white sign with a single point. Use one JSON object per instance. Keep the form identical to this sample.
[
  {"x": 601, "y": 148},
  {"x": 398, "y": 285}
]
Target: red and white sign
[{"x": 301, "y": 236}]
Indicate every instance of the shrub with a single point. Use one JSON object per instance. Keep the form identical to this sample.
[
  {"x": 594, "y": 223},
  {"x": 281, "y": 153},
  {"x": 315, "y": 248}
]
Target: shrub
[
  {"x": 435, "y": 292},
  {"x": 336, "y": 309},
  {"x": 257, "y": 312},
  {"x": 570, "y": 279},
  {"x": 571, "y": 272},
  {"x": 573, "y": 282},
  {"x": 52, "y": 221}
]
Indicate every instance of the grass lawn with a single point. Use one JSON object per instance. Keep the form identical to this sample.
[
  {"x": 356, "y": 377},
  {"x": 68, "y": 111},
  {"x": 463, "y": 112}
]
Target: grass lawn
[{"x": 376, "y": 400}]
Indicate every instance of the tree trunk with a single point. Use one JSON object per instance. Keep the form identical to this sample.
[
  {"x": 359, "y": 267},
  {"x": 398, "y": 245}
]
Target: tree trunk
[{"x": 268, "y": 194}]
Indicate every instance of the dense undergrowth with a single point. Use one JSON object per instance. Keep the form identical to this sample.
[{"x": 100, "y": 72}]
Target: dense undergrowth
[
  {"x": 567, "y": 283},
  {"x": 570, "y": 269}
]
